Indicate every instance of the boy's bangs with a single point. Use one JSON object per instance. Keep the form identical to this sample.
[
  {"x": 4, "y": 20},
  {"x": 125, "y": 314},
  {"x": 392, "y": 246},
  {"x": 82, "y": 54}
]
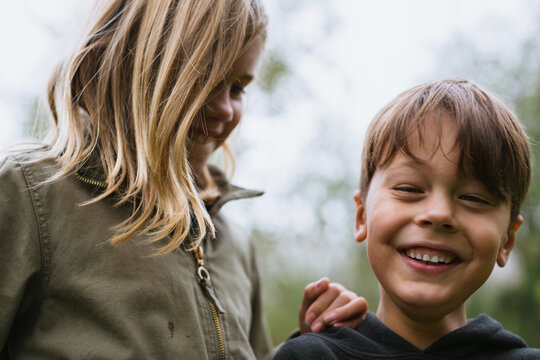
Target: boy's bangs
[{"x": 479, "y": 159}]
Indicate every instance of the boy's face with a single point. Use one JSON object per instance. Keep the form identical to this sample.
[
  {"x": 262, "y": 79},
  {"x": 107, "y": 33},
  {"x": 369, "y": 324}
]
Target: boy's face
[{"x": 433, "y": 236}]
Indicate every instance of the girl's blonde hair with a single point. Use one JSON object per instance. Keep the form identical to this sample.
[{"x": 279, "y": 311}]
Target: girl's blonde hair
[{"x": 130, "y": 93}]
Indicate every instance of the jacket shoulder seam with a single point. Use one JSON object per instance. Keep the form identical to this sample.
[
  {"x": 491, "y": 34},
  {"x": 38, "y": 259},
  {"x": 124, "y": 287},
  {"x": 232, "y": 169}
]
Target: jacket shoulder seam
[{"x": 41, "y": 227}]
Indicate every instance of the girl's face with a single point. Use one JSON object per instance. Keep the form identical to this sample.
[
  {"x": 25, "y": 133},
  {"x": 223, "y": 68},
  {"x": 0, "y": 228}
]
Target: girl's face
[{"x": 223, "y": 109}]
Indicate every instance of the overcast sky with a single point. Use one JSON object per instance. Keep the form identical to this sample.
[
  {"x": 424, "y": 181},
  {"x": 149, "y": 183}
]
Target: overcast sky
[{"x": 376, "y": 48}]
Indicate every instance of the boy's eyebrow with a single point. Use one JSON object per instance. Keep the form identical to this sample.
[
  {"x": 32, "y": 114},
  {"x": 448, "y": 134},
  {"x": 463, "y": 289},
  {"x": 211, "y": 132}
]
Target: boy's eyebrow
[{"x": 412, "y": 163}]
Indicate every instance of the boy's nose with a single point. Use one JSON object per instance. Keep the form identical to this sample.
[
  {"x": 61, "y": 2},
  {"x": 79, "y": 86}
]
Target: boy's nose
[
  {"x": 219, "y": 106},
  {"x": 439, "y": 214}
]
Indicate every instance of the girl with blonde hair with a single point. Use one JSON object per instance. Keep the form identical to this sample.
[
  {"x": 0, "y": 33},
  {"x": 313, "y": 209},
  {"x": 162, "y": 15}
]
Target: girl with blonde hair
[{"x": 113, "y": 245}]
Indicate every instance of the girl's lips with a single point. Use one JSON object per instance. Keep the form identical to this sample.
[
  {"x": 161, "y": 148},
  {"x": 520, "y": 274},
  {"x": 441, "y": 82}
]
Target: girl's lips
[{"x": 203, "y": 137}]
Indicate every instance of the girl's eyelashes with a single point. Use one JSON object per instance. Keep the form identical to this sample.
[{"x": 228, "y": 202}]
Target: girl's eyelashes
[{"x": 237, "y": 90}]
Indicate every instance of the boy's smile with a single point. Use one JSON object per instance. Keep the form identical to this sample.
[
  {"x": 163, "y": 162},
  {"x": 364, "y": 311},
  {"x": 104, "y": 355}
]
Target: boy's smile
[{"x": 433, "y": 235}]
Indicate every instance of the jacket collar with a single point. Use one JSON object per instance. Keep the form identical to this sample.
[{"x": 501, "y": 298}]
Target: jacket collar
[
  {"x": 92, "y": 170},
  {"x": 228, "y": 191}
]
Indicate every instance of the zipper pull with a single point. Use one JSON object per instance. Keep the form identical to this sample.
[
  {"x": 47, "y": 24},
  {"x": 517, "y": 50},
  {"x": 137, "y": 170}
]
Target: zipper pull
[
  {"x": 203, "y": 276},
  {"x": 206, "y": 283}
]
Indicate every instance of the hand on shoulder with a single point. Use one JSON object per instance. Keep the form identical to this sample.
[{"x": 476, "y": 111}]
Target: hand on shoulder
[{"x": 325, "y": 304}]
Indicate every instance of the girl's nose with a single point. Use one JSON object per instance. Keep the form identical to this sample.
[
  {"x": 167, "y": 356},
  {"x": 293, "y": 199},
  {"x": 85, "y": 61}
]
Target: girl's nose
[
  {"x": 219, "y": 106},
  {"x": 438, "y": 213}
]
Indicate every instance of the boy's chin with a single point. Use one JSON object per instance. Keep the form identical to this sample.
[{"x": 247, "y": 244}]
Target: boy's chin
[
  {"x": 423, "y": 305},
  {"x": 437, "y": 313}
]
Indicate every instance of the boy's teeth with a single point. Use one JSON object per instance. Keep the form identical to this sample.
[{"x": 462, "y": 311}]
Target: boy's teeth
[{"x": 436, "y": 259}]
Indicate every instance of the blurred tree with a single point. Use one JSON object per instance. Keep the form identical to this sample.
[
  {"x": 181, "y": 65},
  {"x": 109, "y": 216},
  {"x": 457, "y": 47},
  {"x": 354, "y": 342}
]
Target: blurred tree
[
  {"x": 523, "y": 301},
  {"x": 323, "y": 244},
  {"x": 513, "y": 299},
  {"x": 304, "y": 250},
  {"x": 38, "y": 121},
  {"x": 315, "y": 237},
  {"x": 272, "y": 71}
]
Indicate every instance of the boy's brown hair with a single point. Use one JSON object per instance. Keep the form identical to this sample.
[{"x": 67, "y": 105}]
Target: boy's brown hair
[{"x": 494, "y": 149}]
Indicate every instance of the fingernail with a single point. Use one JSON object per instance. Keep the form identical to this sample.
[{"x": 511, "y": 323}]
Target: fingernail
[
  {"x": 310, "y": 317},
  {"x": 330, "y": 317},
  {"x": 319, "y": 283},
  {"x": 317, "y": 327}
]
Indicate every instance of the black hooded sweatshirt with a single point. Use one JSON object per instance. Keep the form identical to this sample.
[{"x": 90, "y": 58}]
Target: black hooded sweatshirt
[{"x": 481, "y": 338}]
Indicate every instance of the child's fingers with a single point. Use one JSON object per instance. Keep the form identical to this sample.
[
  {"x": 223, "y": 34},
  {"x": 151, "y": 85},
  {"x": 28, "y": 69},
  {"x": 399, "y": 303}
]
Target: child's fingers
[
  {"x": 336, "y": 310},
  {"x": 311, "y": 292},
  {"x": 351, "y": 314},
  {"x": 334, "y": 297}
]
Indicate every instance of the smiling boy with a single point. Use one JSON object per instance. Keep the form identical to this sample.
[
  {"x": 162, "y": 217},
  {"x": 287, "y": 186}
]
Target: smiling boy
[{"x": 445, "y": 169}]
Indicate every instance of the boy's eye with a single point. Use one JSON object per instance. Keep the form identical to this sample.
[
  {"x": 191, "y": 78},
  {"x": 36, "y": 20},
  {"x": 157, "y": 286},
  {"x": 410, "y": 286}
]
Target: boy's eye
[
  {"x": 408, "y": 189},
  {"x": 475, "y": 199}
]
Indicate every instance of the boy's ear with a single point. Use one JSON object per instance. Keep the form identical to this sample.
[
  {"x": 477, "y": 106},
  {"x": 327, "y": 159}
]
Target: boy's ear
[
  {"x": 360, "y": 226},
  {"x": 508, "y": 244}
]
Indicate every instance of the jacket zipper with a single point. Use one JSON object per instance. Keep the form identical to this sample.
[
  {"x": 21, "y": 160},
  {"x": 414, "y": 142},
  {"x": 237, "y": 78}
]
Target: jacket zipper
[
  {"x": 92, "y": 182},
  {"x": 203, "y": 276}
]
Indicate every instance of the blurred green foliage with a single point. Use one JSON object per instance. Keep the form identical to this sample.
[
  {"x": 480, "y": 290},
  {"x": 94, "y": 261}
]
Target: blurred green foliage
[
  {"x": 513, "y": 300},
  {"x": 37, "y": 122},
  {"x": 272, "y": 70},
  {"x": 518, "y": 308}
]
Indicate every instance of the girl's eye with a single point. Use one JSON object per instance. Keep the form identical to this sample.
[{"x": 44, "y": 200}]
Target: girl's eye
[
  {"x": 237, "y": 90},
  {"x": 475, "y": 199},
  {"x": 408, "y": 189}
]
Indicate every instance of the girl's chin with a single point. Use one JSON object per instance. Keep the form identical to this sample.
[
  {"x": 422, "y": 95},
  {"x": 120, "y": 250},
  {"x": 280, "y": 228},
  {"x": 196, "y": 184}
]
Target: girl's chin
[
  {"x": 201, "y": 139},
  {"x": 199, "y": 154}
]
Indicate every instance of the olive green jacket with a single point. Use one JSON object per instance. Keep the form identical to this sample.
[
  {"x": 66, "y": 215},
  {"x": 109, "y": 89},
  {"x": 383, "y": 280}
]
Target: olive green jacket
[{"x": 66, "y": 293}]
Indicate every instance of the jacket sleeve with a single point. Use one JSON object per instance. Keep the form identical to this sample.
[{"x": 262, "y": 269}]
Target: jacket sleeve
[
  {"x": 259, "y": 335},
  {"x": 20, "y": 252}
]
